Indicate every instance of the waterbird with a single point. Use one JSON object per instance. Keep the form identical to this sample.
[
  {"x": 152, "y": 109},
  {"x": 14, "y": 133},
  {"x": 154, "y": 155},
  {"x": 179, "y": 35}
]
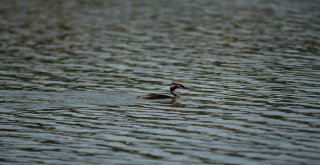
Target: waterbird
[{"x": 173, "y": 87}]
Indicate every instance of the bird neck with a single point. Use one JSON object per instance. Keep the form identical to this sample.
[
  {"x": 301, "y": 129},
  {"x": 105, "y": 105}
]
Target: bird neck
[{"x": 174, "y": 93}]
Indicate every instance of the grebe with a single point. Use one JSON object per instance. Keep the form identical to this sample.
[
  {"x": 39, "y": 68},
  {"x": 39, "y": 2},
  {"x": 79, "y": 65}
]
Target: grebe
[{"x": 173, "y": 87}]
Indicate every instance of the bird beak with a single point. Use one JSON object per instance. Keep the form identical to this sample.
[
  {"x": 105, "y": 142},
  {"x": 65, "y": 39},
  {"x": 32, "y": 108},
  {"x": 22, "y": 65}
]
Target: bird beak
[{"x": 185, "y": 87}]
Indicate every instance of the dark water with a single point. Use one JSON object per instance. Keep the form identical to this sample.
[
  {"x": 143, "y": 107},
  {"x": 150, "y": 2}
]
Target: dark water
[{"x": 70, "y": 72}]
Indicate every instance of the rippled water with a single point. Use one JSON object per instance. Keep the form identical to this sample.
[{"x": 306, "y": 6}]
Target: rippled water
[{"x": 70, "y": 73}]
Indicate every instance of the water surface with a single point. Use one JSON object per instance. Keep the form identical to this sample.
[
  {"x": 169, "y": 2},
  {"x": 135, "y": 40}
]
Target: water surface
[{"x": 70, "y": 72}]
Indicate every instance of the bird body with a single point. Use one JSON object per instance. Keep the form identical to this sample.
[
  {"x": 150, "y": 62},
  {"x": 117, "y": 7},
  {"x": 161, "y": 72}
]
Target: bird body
[
  {"x": 173, "y": 86},
  {"x": 155, "y": 96}
]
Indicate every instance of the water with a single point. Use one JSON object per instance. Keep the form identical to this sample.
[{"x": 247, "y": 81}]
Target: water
[{"x": 70, "y": 73}]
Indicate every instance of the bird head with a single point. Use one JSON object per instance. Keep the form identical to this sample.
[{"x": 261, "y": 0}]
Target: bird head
[{"x": 174, "y": 86}]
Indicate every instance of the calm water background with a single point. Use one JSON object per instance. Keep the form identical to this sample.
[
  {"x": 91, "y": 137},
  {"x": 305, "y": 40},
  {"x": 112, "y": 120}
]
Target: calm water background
[{"x": 70, "y": 72}]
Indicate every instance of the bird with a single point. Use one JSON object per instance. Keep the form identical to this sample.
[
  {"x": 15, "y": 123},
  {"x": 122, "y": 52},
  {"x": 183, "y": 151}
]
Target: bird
[{"x": 173, "y": 87}]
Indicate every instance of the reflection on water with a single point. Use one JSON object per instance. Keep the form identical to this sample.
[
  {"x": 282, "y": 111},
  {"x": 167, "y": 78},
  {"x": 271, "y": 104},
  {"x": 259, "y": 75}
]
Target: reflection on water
[{"x": 70, "y": 72}]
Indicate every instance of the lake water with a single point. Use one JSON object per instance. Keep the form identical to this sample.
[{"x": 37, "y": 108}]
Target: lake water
[{"x": 70, "y": 72}]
